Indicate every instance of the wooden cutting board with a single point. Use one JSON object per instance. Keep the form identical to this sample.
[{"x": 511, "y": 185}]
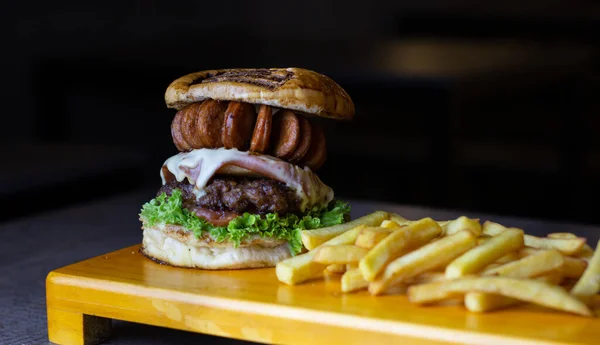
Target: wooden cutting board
[{"x": 253, "y": 305}]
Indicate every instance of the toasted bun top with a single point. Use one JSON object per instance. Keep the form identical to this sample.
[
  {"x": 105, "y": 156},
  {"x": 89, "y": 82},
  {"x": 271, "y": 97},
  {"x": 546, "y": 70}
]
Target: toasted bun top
[{"x": 289, "y": 88}]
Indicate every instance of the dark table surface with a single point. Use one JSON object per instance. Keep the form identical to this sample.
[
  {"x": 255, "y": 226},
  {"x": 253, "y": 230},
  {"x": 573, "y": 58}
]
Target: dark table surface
[{"x": 32, "y": 247}]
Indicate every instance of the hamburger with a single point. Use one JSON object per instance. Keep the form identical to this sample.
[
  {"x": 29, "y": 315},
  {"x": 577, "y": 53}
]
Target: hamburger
[{"x": 243, "y": 185}]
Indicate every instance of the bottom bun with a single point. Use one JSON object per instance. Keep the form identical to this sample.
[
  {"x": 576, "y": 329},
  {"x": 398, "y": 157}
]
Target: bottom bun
[{"x": 159, "y": 246}]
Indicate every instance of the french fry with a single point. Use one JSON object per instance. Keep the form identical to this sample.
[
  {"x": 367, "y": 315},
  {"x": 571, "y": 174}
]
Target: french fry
[
  {"x": 396, "y": 244},
  {"x": 390, "y": 225},
  {"x": 353, "y": 280},
  {"x": 313, "y": 238},
  {"x": 477, "y": 258},
  {"x": 528, "y": 290},
  {"x": 430, "y": 256},
  {"x": 399, "y": 219},
  {"x": 542, "y": 262},
  {"x": 340, "y": 254},
  {"x": 492, "y": 229},
  {"x": 483, "y": 266},
  {"x": 482, "y": 302},
  {"x": 443, "y": 223},
  {"x": 336, "y": 268},
  {"x": 553, "y": 278},
  {"x": 526, "y": 251},
  {"x": 567, "y": 246},
  {"x": 492, "y": 265},
  {"x": 586, "y": 252},
  {"x": 300, "y": 268},
  {"x": 589, "y": 283},
  {"x": 530, "y": 266},
  {"x": 573, "y": 267},
  {"x": 427, "y": 277},
  {"x": 562, "y": 235},
  {"x": 512, "y": 256},
  {"x": 482, "y": 239},
  {"x": 369, "y": 237},
  {"x": 462, "y": 223}
]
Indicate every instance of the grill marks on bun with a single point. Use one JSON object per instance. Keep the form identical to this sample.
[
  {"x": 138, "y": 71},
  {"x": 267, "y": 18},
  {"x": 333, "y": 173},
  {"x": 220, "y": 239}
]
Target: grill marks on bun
[
  {"x": 296, "y": 89},
  {"x": 214, "y": 124},
  {"x": 270, "y": 79}
]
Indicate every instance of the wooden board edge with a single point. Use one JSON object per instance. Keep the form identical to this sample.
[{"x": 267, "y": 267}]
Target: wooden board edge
[{"x": 80, "y": 295}]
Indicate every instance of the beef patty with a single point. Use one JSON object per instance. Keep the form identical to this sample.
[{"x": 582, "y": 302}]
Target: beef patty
[{"x": 239, "y": 195}]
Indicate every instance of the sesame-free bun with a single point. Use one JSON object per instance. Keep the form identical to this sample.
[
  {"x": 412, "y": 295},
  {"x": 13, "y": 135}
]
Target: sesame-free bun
[
  {"x": 288, "y": 88},
  {"x": 175, "y": 246}
]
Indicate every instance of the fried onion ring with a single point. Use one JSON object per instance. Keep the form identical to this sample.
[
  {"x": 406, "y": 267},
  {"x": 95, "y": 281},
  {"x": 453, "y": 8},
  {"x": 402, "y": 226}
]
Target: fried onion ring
[
  {"x": 286, "y": 134},
  {"x": 305, "y": 140},
  {"x": 178, "y": 140},
  {"x": 210, "y": 123},
  {"x": 262, "y": 130},
  {"x": 317, "y": 153},
  {"x": 238, "y": 125},
  {"x": 188, "y": 125}
]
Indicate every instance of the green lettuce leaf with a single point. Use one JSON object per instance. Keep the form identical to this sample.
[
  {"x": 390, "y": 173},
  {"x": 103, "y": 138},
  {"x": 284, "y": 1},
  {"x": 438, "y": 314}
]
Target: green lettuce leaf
[
  {"x": 168, "y": 210},
  {"x": 337, "y": 215}
]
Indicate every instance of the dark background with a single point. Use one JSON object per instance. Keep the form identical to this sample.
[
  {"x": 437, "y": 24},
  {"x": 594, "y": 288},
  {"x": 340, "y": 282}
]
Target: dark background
[{"x": 490, "y": 108}]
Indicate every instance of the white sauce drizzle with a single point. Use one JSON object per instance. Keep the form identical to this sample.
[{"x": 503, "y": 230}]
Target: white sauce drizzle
[{"x": 200, "y": 165}]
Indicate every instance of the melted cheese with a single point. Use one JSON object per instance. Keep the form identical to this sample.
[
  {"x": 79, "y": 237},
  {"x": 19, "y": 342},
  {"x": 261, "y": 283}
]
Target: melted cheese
[{"x": 199, "y": 166}]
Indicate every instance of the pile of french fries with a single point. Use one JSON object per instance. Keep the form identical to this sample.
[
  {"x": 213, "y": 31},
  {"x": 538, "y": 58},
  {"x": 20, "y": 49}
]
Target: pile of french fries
[{"x": 487, "y": 267}]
